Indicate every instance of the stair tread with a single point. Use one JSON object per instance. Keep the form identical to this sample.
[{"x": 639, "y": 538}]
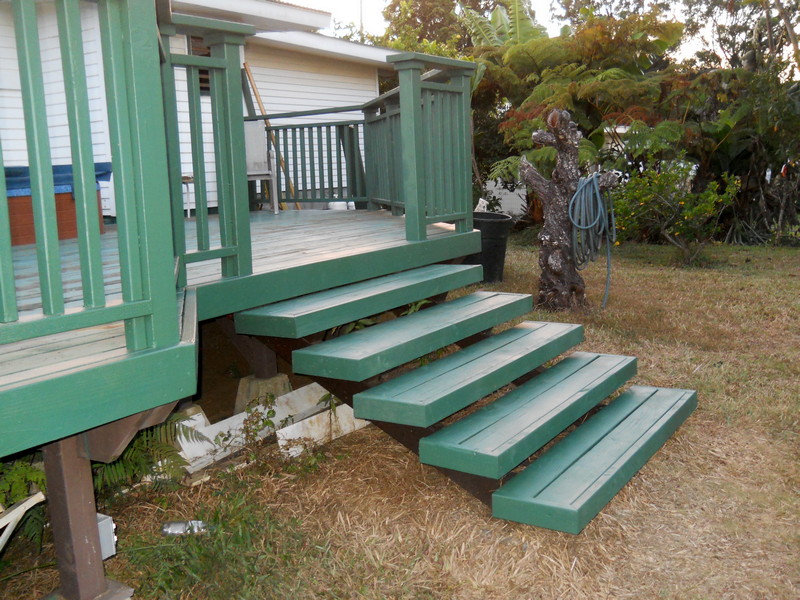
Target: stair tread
[
  {"x": 309, "y": 314},
  {"x": 430, "y": 393},
  {"x": 571, "y": 482},
  {"x": 496, "y": 438},
  {"x": 373, "y": 350}
]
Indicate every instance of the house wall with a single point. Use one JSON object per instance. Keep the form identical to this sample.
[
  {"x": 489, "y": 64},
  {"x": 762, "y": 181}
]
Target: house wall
[{"x": 290, "y": 81}]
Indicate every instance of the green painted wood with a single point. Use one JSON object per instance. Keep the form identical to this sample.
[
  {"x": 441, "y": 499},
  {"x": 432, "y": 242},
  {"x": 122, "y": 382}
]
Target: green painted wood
[
  {"x": 434, "y": 391},
  {"x": 171, "y": 129},
  {"x": 120, "y": 111},
  {"x": 362, "y": 354},
  {"x": 77, "y": 104},
  {"x": 48, "y": 408},
  {"x": 571, "y": 482},
  {"x": 228, "y": 120},
  {"x": 302, "y": 316},
  {"x": 198, "y": 158},
  {"x": 39, "y": 158},
  {"x": 411, "y": 161},
  {"x": 75, "y": 319},
  {"x": 328, "y": 270},
  {"x": 498, "y": 437},
  {"x": 8, "y": 300}
]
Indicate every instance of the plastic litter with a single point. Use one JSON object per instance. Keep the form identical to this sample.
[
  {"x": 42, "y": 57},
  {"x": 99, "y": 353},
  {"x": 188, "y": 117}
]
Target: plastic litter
[{"x": 185, "y": 527}]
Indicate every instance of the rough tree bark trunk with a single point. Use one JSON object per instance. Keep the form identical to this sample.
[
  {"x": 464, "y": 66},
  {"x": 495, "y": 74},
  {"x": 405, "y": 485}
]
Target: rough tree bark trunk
[{"x": 561, "y": 287}]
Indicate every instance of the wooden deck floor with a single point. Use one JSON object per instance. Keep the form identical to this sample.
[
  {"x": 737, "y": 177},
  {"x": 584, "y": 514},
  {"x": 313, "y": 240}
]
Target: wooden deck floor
[{"x": 280, "y": 242}]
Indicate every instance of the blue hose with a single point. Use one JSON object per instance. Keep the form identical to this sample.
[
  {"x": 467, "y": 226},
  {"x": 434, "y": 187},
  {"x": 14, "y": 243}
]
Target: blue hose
[{"x": 592, "y": 215}]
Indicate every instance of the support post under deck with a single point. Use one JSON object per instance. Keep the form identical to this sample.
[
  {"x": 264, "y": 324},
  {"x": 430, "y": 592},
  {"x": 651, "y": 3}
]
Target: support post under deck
[{"x": 73, "y": 515}]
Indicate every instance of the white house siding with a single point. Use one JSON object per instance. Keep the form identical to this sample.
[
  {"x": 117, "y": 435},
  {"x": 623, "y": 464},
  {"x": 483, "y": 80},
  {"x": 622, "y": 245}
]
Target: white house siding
[{"x": 12, "y": 127}]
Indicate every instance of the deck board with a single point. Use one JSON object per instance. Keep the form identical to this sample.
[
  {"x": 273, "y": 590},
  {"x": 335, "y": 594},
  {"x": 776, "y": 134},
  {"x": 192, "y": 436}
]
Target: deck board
[{"x": 280, "y": 242}]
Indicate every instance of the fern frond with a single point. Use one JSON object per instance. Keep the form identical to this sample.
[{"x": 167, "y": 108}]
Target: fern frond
[{"x": 479, "y": 27}]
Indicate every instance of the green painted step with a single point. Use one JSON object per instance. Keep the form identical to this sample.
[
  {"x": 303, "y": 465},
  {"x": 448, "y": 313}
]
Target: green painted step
[
  {"x": 303, "y": 316},
  {"x": 571, "y": 482},
  {"x": 367, "y": 352},
  {"x": 496, "y": 438},
  {"x": 430, "y": 393}
]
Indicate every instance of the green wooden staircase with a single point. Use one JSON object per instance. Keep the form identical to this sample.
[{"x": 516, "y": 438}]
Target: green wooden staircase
[{"x": 487, "y": 450}]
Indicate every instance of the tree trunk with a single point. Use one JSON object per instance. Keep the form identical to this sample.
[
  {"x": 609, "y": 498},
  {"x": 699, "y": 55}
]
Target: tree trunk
[{"x": 561, "y": 287}]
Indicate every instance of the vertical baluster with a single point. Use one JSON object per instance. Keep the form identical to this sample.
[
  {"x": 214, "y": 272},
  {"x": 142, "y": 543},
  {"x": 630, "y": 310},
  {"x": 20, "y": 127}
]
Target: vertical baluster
[
  {"x": 445, "y": 130},
  {"x": 171, "y": 128},
  {"x": 286, "y": 160},
  {"x": 329, "y": 155},
  {"x": 229, "y": 148},
  {"x": 320, "y": 163},
  {"x": 41, "y": 169},
  {"x": 120, "y": 134},
  {"x": 339, "y": 169},
  {"x": 84, "y": 187},
  {"x": 312, "y": 161},
  {"x": 8, "y": 300},
  {"x": 198, "y": 157},
  {"x": 456, "y": 168},
  {"x": 295, "y": 165},
  {"x": 303, "y": 166},
  {"x": 429, "y": 170}
]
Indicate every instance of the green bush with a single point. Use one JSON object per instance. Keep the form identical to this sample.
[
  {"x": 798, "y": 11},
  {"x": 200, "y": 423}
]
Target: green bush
[{"x": 657, "y": 204}]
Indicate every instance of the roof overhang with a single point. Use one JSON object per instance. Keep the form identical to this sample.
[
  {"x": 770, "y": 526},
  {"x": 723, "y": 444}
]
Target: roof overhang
[
  {"x": 261, "y": 14},
  {"x": 329, "y": 47}
]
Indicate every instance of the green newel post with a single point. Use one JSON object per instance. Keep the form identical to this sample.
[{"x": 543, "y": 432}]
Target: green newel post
[
  {"x": 412, "y": 168},
  {"x": 234, "y": 207}
]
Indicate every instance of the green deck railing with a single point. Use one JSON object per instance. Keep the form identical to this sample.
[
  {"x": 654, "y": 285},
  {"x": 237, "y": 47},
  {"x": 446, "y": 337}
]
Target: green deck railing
[
  {"x": 316, "y": 162},
  {"x": 135, "y": 116},
  {"x": 224, "y": 39},
  {"x": 419, "y": 134},
  {"x": 415, "y": 141}
]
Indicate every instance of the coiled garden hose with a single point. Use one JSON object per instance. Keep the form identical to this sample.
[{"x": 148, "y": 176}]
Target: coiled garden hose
[{"x": 591, "y": 212}]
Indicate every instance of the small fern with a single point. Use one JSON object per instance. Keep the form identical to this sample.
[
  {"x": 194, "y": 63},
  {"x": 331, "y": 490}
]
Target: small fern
[{"x": 153, "y": 453}]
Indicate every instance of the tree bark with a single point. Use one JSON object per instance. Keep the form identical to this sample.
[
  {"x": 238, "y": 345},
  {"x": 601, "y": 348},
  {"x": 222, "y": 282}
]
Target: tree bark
[{"x": 561, "y": 286}]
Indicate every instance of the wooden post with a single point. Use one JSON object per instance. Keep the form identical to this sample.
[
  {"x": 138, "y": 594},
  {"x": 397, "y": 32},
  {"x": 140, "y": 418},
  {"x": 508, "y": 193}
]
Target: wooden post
[
  {"x": 74, "y": 520},
  {"x": 412, "y": 188}
]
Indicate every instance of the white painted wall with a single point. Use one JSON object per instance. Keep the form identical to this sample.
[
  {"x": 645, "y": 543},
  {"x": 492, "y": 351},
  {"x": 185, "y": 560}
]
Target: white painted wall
[{"x": 291, "y": 81}]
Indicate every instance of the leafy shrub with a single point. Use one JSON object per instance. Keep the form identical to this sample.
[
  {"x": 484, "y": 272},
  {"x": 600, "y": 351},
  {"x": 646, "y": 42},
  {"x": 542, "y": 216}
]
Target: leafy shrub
[
  {"x": 657, "y": 204},
  {"x": 19, "y": 478}
]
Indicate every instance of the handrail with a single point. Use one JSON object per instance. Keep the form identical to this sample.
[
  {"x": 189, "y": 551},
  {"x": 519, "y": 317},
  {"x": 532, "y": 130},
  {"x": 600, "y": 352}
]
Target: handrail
[{"x": 306, "y": 113}]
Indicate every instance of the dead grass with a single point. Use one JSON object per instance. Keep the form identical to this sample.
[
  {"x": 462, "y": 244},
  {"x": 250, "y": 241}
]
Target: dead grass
[{"x": 715, "y": 514}]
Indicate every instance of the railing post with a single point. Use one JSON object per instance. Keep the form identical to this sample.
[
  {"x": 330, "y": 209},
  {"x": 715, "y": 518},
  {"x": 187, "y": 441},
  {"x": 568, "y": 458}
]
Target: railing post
[
  {"x": 410, "y": 72},
  {"x": 173, "y": 153},
  {"x": 234, "y": 206},
  {"x": 464, "y": 153}
]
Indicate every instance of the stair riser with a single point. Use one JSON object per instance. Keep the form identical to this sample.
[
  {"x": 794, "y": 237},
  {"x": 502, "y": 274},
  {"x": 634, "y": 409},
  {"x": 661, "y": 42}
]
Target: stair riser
[{"x": 424, "y": 415}]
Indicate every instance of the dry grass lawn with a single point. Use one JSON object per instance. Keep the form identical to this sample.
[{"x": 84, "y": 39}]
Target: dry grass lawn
[{"x": 715, "y": 514}]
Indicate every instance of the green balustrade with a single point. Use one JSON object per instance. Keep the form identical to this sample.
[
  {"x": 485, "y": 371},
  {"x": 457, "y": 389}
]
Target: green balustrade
[
  {"x": 131, "y": 75},
  {"x": 233, "y": 247}
]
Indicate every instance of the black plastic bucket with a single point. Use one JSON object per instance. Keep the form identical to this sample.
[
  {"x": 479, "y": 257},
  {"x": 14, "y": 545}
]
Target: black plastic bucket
[{"x": 494, "y": 228}]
